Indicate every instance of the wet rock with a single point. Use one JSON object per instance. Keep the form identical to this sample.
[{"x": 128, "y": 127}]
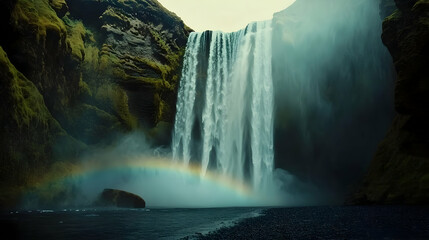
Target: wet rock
[{"x": 119, "y": 198}]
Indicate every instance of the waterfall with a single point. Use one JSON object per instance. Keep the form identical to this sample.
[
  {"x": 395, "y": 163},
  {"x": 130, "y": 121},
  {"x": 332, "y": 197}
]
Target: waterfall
[{"x": 224, "y": 119}]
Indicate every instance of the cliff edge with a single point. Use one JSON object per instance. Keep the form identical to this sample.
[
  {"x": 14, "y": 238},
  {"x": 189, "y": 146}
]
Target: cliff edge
[{"x": 399, "y": 171}]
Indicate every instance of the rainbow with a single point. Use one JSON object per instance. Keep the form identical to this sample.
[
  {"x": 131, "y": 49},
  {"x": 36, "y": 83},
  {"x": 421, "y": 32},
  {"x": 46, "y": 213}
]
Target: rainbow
[{"x": 144, "y": 163}]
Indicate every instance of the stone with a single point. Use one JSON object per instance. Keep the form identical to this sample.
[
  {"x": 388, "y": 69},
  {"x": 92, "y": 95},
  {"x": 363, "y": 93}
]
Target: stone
[
  {"x": 119, "y": 198},
  {"x": 399, "y": 171}
]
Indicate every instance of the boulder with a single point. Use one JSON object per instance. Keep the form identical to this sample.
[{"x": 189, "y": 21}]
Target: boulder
[
  {"x": 119, "y": 198},
  {"x": 399, "y": 171}
]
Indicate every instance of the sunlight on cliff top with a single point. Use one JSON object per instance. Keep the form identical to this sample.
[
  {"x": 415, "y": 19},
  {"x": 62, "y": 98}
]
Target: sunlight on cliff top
[{"x": 224, "y": 15}]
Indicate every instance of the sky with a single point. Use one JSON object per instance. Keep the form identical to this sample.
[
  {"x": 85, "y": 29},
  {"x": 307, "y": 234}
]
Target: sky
[{"x": 224, "y": 15}]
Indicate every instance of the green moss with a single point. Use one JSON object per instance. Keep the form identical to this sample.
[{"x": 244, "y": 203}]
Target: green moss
[
  {"x": 421, "y": 4},
  {"x": 39, "y": 16},
  {"x": 107, "y": 59},
  {"x": 175, "y": 64},
  {"x": 170, "y": 71},
  {"x": 160, "y": 41},
  {"x": 173, "y": 57},
  {"x": 76, "y": 36},
  {"x": 57, "y": 4},
  {"x": 28, "y": 103},
  {"x": 84, "y": 89},
  {"x": 162, "y": 69},
  {"x": 394, "y": 16},
  {"x": 114, "y": 15},
  {"x": 115, "y": 101},
  {"x": 120, "y": 101},
  {"x": 91, "y": 61},
  {"x": 131, "y": 71},
  {"x": 156, "y": 83},
  {"x": 162, "y": 109},
  {"x": 30, "y": 136}
]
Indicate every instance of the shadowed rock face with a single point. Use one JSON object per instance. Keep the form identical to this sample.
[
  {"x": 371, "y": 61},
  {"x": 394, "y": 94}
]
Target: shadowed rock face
[
  {"x": 399, "y": 172},
  {"x": 78, "y": 73},
  {"x": 119, "y": 198}
]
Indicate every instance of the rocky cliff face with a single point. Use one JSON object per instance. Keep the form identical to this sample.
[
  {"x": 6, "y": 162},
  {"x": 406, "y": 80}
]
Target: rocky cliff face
[
  {"x": 76, "y": 73},
  {"x": 399, "y": 172}
]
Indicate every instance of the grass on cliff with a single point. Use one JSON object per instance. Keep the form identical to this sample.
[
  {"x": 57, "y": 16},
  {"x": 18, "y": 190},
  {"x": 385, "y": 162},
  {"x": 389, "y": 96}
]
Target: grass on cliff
[
  {"x": 116, "y": 16},
  {"x": 115, "y": 101},
  {"x": 91, "y": 61},
  {"x": 37, "y": 16},
  {"x": 107, "y": 60},
  {"x": 97, "y": 89},
  {"x": 30, "y": 130},
  {"x": 57, "y": 4},
  {"x": 76, "y": 36},
  {"x": 394, "y": 16},
  {"x": 28, "y": 104}
]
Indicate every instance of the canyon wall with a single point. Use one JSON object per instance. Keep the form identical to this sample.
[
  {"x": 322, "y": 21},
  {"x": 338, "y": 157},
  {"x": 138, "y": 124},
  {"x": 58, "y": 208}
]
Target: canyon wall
[
  {"x": 76, "y": 74},
  {"x": 399, "y": 171}
]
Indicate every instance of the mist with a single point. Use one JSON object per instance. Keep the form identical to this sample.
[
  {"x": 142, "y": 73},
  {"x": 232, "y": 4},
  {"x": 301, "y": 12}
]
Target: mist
[
  {"x": 334, "y": 83},
  {"x": 133, "y": 165}
]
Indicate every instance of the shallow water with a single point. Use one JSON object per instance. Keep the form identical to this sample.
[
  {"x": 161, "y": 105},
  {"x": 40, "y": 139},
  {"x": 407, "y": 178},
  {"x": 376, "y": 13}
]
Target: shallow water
[
  {"x": 373, "y": 222},
  {"x": 120, "y": 223}
]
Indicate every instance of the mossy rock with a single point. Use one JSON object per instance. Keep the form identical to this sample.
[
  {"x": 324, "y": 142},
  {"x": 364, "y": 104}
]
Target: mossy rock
[
  {"x": 60, "y": 7},
  {"x": 31, "y": 136},
  {"x": 76, "y": 75},
  {"x": 39, "y": 17}
]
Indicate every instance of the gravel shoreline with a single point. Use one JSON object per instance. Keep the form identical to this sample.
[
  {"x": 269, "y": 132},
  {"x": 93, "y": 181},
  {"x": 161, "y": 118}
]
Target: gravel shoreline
[{"x": 354, "y": 222}]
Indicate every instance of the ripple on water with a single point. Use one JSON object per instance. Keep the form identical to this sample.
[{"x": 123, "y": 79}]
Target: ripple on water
[{"x": 46, "y": 211}]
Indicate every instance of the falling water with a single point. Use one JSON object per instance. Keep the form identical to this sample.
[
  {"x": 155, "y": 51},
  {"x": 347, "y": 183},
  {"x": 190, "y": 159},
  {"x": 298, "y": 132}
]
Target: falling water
[{"x": 224, "y": 118}]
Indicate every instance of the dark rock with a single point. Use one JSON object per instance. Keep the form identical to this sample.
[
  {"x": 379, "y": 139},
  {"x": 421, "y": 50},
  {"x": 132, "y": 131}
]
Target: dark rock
[
  {"x": 399, "y": 171},
  {"x": 140, "y": 45},
  {"x": 119, "y": 198}
]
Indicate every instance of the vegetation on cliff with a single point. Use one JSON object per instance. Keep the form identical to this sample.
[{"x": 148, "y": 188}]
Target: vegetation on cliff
[
  {"x": 399, "y": 172},
  {"x": 75, "y": 73},
  {"x": 30, "y": 134}
]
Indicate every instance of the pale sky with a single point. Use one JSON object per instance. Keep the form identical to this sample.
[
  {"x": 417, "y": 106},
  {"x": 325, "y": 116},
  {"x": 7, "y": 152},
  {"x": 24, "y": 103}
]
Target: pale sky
[{"x": 224, "y": 15}]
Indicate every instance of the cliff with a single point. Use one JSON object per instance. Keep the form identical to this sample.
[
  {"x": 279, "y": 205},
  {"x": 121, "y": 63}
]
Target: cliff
[
  {"x": 399, "y": 171},
  {"x": 77, "y": 73}
]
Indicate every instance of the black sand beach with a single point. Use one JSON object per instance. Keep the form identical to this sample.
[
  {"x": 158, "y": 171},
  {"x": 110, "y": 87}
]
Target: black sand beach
[{"x": 372, "y": 222}]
